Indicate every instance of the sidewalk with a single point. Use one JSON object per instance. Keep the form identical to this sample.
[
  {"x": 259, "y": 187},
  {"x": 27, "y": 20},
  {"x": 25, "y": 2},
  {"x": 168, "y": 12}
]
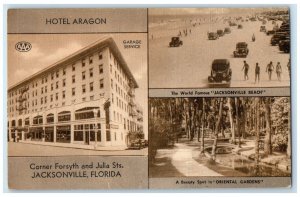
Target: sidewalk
[{"x": 79, "y": 146}]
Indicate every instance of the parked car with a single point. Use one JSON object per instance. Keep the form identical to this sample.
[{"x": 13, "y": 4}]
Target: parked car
[
  {"x": 220, "y": 72},
  {"x": 270, "y": 32},
  {"x": 262, "y": 28},
  {"x": 277, "y": 37},
  {"x": 284, "y": 45},
  {"x": 175, "y": 42},
  {"x": 232, "y": 24},
  {"x": 227, "y": 30},
  {"x": 220, "y": 32},
  {"x": 136, "y": 144},
  {"x": 213, "y": 36},
  {"x": 240, "y": 26},
  {"x": 241, "y": 50}
]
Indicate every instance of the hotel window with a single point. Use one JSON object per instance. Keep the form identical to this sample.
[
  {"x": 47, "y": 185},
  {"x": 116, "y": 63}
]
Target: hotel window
[
  {"x": 57, "y": 85},
  {"x": 83, "y": 99},
  {"x": 91, "y": 98},
  {"x": 101, "y": 68},
  {"x": 73, "y": 91},
  {"x": 83, "y": 63},
  {"x": 46, "y": 79},
  {"x": 115, "y": 74},
  {"x": 52, "y": 76},
  {"x": 101, "y": 83},
  {"x": 112, "y": 83},
  {"x": 64, "y": 71},
  {"x": 83, "y": 89},
  {"x": 42, "y": 90},
  {"x": 32, "y": 103},
  {"x": 115, "y": 136},
  {"x": 42, "y": 100},
  {"x": 73, "y": 67},
  {"x": 57, "y": 74},
  {"x": 64, "y": 82},
  {"x": 107, "y": 135},
  {"x": 45, "y": 89},
  {"x": 51, "y": 86},
  {"x": 100, "y": 56},
  {"x": 56, "y": 97},
  {"x": 91, "y": 87},
  {"x": 112, "y": 98},
  {"x": 90, "y": 59},
  {"x": 73, "y": 79},
  {"x": 35, "y": 93},
  {"x": 64, "y": 94},
  {"x": 51, "y": 97},
  {"x": 91, "y": 72},
  {"x": 45, "y": 99},
  {"x": 83, "y": 75},
  {"x": 42, "y": 80},
  {"x": 110, "y": 68}
]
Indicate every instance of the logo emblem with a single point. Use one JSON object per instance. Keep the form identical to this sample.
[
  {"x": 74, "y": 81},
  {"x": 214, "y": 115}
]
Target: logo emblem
[{"x": 23, "y": 46}]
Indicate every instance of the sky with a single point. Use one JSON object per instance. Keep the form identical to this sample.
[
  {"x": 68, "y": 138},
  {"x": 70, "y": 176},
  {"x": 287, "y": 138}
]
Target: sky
[{"x": 50, "y": 48}]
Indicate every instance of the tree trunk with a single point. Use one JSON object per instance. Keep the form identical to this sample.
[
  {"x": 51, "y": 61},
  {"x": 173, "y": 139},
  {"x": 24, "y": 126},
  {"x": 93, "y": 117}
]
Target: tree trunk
[
  {"x": 289, "y": 143},
  {"x": 214, "y": 147},
  {"x": 268, "y": 146},
  {"x": 231, "y": 121},
  {"x": 257, "y": 120},
  {"x": 202, "y": 125},
  {"x": 237, "y": 119}
]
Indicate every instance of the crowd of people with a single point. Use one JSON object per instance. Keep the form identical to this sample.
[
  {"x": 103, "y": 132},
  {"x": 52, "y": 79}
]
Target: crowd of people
[{"x": 269, "y": 70}]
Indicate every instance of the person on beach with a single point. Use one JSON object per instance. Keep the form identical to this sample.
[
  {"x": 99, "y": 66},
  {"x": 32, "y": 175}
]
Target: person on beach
[
  {"x": 269, "y": 69},
  {"x": 246, "y": 69},
  {"x": 257, "y": 72},
  {"x": 289, "y": 67},
  {"x": 278, "y": 71}
]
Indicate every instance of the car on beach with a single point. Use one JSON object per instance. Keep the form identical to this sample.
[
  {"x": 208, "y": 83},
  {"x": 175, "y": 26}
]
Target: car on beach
[
  {"x": 220, "y": 72},
  {"x": 277, "y": 37},
  {"x": 241, "y": 50},
  {"x": 212, "y": 35},
  {"x": 262, "y": 28},
  {"x": 220, "y": 32},
  {"x": 175, "y": 42},
  {"x": 270, "y": 32},
  {"x": 227, "y": 30},
  {"x": 284, "y": 45}
]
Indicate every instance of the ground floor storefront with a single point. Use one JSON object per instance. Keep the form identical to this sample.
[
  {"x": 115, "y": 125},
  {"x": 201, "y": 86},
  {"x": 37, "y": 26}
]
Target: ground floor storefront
[{"x": 75, "y": 133}]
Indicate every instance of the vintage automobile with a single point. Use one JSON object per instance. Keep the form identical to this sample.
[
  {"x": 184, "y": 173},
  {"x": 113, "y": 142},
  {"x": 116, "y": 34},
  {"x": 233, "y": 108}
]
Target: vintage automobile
[
  {"x": 136, "y": 144},
  {"x": 175, "y": 42},
  {"x": 277, "y": 37},
  {"x": 220, "y": 72},
  {"x": 262, "y": 28},
  {"x": 232, "y": 24},
  {"x": 220, "y": 32},
  {"x": 227, "y": 30},
  {"x": 240, "y": 26},
  {"x": 270, "y": 32},
  {"x": 284, "y": 45},
  {"x": 241, "y": 50},
  {"x": 212, "y": 36}
]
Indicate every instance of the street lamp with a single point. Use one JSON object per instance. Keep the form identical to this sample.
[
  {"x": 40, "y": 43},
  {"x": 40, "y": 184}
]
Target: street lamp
[{"x": 95, "y": 127}]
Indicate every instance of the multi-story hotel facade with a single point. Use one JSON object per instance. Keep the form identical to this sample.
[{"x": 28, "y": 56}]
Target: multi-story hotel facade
[{"x": 86, "y": 99}]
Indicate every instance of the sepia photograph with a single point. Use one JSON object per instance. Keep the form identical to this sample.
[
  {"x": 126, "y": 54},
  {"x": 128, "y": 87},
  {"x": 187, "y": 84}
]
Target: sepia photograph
[
  {"x": 219, "y": 47},
  {"x": 77, "y": 94},
  {"x": 215, "y": 137}
]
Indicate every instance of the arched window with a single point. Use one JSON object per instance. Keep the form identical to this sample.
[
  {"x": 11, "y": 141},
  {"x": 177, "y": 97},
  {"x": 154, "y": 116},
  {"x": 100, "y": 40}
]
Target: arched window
[
  {"x": 27, "y": 121},
  {"x": 38, "y": 120},
  {"x": 13, "y": 123},
  {"x": 87, "y": 113},
  {"x": 64, "y": 116},
  {"x": 20, "y": 122},
  {"x": 50, "y": 118}
]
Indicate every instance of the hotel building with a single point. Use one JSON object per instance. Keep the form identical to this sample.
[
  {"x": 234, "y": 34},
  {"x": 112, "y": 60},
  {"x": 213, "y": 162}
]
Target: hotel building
[{"x": 86, "y": 99}]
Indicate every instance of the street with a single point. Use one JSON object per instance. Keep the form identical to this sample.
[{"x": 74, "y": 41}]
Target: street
[
  {"x": 189, "y": 65},
  {"x": 25, "y": 149}
]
